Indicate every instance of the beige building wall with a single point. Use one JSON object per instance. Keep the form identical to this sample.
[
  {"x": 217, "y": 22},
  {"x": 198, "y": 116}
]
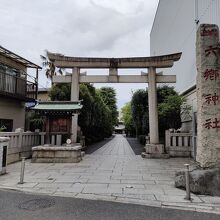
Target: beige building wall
[
  {"x": 13, "y": 109},
  {"x": 43, "y": 96}
]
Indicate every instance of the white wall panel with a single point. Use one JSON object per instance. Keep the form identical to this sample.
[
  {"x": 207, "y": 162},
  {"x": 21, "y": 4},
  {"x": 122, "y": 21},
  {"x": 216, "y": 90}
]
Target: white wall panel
[{"x": 174, "y": 30}]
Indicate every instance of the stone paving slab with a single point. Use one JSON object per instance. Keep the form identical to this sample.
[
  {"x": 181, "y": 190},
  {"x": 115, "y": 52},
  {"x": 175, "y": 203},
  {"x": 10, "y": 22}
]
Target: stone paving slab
[{"x": 114, "y": 175}]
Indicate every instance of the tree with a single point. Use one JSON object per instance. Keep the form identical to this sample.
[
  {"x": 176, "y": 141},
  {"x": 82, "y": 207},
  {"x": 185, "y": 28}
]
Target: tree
[
  {"x": 49, "y": 67},
  {"x": 169, "y": 112},
  {"x": 108, "y": 96},
  {"x": 164, "y": 91},
  {"x": 95, "y": 118},
  {"x": 60, "y": 92},
  {"x": 37, "y": 121},
  {"x": 139, "y": 106},
  {"x": 169, "y": 107},
  {"x": 127, "y": 119}
]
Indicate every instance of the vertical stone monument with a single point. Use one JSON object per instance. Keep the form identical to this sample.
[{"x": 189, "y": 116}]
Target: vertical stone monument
[
  {"x": 206, "y": 179},
  {"x": 208, "y": 96}
]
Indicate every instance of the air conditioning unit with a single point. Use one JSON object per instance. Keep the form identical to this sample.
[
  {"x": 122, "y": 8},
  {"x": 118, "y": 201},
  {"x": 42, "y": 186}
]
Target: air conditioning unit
[{"x": 4, "y": 141}]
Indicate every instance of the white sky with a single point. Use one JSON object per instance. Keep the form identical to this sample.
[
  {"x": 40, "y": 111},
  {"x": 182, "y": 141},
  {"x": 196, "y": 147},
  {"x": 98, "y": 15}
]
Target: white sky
[{"x": 101, "y": 28}]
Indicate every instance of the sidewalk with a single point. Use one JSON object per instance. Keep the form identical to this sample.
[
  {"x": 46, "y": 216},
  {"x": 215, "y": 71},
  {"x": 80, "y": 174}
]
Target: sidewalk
[{"x": 112, "y": 173}]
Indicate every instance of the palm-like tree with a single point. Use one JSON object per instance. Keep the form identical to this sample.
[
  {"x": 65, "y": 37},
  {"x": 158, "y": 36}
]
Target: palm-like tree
[{"x": 50, "y": 68}]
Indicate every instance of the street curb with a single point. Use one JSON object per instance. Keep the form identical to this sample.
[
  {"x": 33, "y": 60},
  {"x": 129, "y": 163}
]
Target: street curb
[{"x": 100, "y": 197}]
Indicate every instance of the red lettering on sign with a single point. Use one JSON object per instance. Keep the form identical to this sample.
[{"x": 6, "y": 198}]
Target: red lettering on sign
[
  {"x": 212, "y": 99},
  {"x": 208, "y": 124},
  {"x": 211, "y": 74},
  {"x": 209, "y": 32},
  {"x": 211, "y": 50},
  {"x": 212, "y": 124},
  {"x": 216, "y": 123}
]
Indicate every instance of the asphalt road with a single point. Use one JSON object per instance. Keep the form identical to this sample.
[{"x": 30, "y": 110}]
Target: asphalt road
[{"x": 20, "y": 206}]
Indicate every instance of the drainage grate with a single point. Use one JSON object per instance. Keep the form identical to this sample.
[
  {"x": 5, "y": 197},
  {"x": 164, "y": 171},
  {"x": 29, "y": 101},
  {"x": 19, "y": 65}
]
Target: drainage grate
[{"x": 36, "y": 204}]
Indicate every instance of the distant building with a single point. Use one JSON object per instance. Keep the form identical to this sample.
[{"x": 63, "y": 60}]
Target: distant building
[
  {"x": 15, "y": 89},
  {"x": 174, "y": 30},
  {"x": 120, "y": 128},
  {"x": 43, "y": 94}
]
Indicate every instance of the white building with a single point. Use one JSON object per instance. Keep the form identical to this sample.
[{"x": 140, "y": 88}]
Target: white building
[{"x": 174, "y": 30}]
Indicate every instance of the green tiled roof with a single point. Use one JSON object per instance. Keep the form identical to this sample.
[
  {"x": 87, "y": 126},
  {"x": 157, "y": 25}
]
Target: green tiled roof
[{"x": 57, "y": 106}]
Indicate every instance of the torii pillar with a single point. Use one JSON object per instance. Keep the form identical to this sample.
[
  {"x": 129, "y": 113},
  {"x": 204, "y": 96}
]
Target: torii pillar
[
  {"x": 74, "y": 97},
  {"x": 152, "y": 102},
  {"x": 153, "y": 149}
]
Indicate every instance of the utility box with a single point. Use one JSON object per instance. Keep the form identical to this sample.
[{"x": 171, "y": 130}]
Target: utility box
[{"x": 4, "y": 141}]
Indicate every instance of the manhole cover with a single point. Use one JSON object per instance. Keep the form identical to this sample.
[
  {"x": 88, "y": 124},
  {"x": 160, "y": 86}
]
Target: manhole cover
[
  {"x": 37, "y": 204},
  {"x": 129, "y": 187}
]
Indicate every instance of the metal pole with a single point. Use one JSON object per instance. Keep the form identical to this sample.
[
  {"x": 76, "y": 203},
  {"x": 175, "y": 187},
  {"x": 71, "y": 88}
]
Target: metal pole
[
  {"x": 194, "y": 135},
  {"x": 188, "y": 196},
  {"x": 36, "y": 82},
  {"x": 22, "y": 170},
  {"x": 193, "y": 130},
  {"x": 197, "y": 12}
]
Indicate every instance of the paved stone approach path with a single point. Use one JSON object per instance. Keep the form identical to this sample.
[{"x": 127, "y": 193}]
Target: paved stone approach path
[
  {"x": 112, "y": 173},
  {"x": 118, "y": 146}
]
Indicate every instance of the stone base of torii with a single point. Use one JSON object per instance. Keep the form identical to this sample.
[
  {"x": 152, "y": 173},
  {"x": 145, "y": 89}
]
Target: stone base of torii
[{"x": 154, "y": 149}]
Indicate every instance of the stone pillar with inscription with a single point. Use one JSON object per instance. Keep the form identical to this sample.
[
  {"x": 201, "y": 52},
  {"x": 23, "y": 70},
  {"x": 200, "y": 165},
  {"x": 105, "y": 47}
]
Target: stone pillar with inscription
[{"x": 208, "y": 96}]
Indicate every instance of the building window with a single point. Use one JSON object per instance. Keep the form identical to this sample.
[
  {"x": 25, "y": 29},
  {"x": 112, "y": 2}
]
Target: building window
[
  {"x": 6, "y": 125},
  {"x": 10, "y": 70}
]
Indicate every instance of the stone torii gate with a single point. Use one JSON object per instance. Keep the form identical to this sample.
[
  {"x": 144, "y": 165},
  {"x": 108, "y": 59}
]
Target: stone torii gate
[{"x": 113, "y": 64}]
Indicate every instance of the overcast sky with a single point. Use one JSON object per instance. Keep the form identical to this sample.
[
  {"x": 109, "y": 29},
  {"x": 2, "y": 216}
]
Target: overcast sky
[{"x": 101, "y": 28}]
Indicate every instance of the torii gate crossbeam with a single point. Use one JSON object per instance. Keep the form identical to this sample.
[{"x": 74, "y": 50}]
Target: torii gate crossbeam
[{"x": 115, "y": 79}]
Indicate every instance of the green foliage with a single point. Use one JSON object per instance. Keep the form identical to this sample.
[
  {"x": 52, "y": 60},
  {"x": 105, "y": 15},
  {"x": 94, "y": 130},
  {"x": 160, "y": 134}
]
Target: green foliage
[
  {"x": 139, "y": 106},
  {"x": 49, "y": 67},
  {"x": 128, "y": 120},
  {"x": 98, "y": 112},
  {"x": 163, "y": 92},
  {"x": 95, "y": 119},
  {"x": 108, "y": 96},
  {"x": 36, "y": 122},
  {"x": 169, "y": 112},
  {"x": 60, "y": 92},
  {"x": 169, "y": 107}
]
